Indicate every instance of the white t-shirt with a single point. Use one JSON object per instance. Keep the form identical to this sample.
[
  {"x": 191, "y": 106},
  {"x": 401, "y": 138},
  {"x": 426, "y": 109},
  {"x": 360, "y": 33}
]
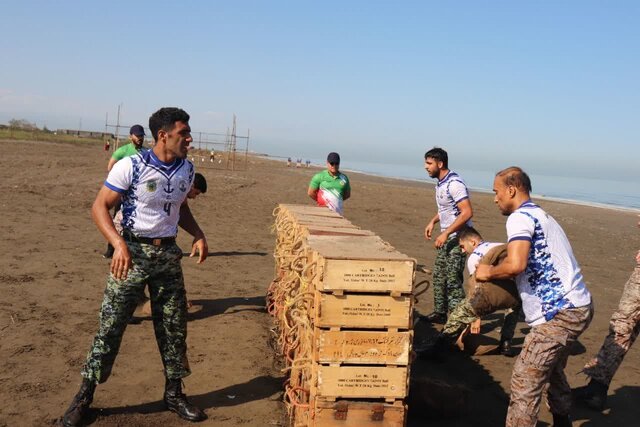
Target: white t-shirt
[
  {"x": 450, "y": 191},
  {"x": 152, "y": 193},
  {"x": 552, "y": 280},
  {"x": 478, "y": 253}
]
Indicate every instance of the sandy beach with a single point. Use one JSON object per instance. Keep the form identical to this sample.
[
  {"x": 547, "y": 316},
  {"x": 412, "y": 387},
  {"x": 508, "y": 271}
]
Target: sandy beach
[{"x": 52, "y": 277}]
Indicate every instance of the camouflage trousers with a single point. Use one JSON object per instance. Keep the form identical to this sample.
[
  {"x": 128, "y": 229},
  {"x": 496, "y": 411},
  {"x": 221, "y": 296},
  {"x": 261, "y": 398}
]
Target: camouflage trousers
[
  {"x": 623, "y": 331},
  {"x": 542, "y": 361},
  {"x": 464, "y": 315},
  {"x": 448, "y": 277},
  {"x": 160, "y": 269}
]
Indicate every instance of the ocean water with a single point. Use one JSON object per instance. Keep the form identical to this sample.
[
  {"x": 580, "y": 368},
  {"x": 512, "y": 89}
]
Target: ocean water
[{"x": 590, "y": 191}]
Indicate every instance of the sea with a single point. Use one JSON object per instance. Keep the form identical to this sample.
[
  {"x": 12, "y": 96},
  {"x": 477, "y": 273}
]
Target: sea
[{"x": 608, "y": 193}]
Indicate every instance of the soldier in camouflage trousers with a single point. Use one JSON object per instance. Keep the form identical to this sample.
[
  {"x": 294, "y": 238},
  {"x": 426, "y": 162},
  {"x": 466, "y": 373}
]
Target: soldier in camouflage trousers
[
  {"x": 153, "y": 186},
  {"x": 623, "y": 331},
  {"x": 454, "y": 212},
  {"x": 160, "y": 267}
]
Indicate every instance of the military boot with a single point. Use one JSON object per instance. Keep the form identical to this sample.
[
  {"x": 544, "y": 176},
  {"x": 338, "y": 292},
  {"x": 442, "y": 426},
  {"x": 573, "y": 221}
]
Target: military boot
[
  {"x": 80, "y": 404},
  {"x": 561, "y": 420},
  {"x": 594, "y": 394},
  {"x": 177, "y": 402}
]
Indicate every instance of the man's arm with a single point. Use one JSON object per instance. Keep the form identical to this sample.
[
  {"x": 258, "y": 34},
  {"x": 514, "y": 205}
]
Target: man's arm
[
  {"x": 313, "y": 193},
  {"x": 188, "y": 223},
  {"x": 514, "y": 264},
  {"x": 466, "y": 212},
  {"x": 121, "y": 260},
  {"x": 346, "y": 194},
  {"x": 112, "y": 162}
]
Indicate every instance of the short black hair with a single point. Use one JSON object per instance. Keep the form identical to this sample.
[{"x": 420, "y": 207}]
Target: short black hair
[
  {"x": 165, "y": 119},
  {"x": 439, "y": 155},
  {"x": 200, "y": 182},
  {"x": 467, "y": 232},
  {"x": 516, "y": 177}
]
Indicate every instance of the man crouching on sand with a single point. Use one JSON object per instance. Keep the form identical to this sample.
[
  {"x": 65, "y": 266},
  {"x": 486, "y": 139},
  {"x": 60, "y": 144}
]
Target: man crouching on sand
[
  {"x": 153, "y": 186},
  {"x": 555, "y": 300}
]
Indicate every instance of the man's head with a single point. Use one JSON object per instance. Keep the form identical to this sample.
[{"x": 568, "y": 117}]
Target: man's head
[
  {"x": 199, "y": 186},
  {"x": 436, "y": 160},
  {"x": 333, "y": 163},
  {"x": 468, "y": 239},
  {"x": 170, "y": 129},
  {"x": 136, "y": 134},
  {"x": 512, "y": 187}
]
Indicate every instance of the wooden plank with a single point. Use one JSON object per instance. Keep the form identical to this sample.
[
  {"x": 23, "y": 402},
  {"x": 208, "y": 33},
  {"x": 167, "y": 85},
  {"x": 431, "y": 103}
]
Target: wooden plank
[
  {"x": 373, "y": 275},
  {"x": 308, "y": 210},
  {"x": 364, "y": 382},
  {"x": 346, "y": 247},
  {"x": 353, "y": 413},
  {"x": 363, "y": 347},
  {"x": 362, "y": 311}
]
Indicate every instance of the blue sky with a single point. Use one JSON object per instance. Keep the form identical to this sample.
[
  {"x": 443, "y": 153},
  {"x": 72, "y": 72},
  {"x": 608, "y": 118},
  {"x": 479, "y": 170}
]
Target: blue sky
[{"x": 549, "y": 85}]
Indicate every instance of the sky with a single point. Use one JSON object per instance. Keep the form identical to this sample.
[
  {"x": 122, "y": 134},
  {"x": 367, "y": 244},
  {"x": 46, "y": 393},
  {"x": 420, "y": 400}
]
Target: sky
[{"x": 551, "y": 86}]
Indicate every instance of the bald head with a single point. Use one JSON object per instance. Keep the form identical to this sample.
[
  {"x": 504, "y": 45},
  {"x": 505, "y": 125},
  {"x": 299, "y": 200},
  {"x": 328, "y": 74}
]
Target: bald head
[{"x": 515, "y": 177}]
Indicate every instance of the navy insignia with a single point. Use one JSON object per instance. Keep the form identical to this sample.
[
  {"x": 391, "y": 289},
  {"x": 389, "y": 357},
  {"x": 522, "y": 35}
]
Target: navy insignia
[
  {"x": 183, "y": 186},
  {"x": 152, "y": 185}
]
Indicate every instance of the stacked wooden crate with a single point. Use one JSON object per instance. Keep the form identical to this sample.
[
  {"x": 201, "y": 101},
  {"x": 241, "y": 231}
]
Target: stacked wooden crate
[{"x": 347, "y": 322}]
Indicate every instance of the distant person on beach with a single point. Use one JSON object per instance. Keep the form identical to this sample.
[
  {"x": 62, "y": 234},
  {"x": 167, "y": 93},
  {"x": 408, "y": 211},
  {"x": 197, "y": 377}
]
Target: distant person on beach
[
  {"x": 107, "y": 144},
  {"x": 454, "y": 212},
  {"x": 624, "y": 327},
  {"x": 288, "y": 162},
  {"x": 153, "y": 185},
  {"x": 464, "y": 317},
  {"x": 330, "y": 187},
  {"x": 556, "y": 302},
  {"x": 136, "y": 136},
  {"x": 212, "y": 156}
]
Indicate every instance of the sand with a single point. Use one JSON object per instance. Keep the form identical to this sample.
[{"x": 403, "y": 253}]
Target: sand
[{"x": 52, "y": 277}]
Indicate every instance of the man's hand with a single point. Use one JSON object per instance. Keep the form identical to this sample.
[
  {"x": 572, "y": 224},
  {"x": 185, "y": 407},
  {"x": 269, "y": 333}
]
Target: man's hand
[
  {"x": 200, "y": 247},
  {"x": 638, "y": 257},
  {"x": 483, "y": 273},
  {"x": 441, "y": 240},
  {"x": 428, "y": 230},
  {"x": 121, "y": 261}
]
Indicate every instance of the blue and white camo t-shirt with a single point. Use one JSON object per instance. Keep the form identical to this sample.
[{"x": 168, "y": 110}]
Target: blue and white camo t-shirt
[
  {"x": 552, "y": 280},
  {"x": 450, "y": 191},
  {"x": 152, "y": 192}
]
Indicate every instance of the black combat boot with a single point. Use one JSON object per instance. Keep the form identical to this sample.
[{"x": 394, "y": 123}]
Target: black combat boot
[
  {"x": 435, "y": 317},
  {"x": 594, "y": 394},
  {"x": 561, "y": 420},
  {"x": 177, "y": 402},
  {"x": 506, "y": 349},
  {"x": 80, "y": 404},
  {"x": 434, "y": 349}
]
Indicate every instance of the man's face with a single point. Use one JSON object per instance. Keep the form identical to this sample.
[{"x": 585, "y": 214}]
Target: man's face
[
  {"x": 178, "y": 139},
  {"x": 137, "y": 140},
  {"x": 193, "y": 193},
  {"x": 503, "y": 196},
  {"x": 467, "y": 246},
  {"x": 432, "y": 166},
  {"x": 333, "y": 168}
]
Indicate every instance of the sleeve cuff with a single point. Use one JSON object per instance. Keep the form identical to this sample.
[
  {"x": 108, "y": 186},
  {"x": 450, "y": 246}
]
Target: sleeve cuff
[
  {"x": 526, "y": 238},
  {"x": 114, "y": 188}
]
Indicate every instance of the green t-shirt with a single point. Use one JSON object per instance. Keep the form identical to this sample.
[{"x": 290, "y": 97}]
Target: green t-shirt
[
  {"x": 331, "y": 189},
  {"x": 125, "y": 151}
]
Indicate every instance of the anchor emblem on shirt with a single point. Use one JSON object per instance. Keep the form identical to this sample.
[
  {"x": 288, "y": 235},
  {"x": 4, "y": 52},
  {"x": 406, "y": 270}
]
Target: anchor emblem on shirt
[{"x": 168, "y": 188}]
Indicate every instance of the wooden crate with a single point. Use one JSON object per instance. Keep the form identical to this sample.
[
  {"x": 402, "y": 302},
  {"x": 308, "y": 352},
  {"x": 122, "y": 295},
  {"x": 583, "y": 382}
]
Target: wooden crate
[
  {"x": 362, "y": 311},
  {"x": 361, "y": 264},
  {"x": 323, "y": 220},
  {"x": 361, "y": 382},
  {"x": 308, "y": 210},
  {"x": 354, "y": 413},
  {"x": 363, "y": 347}
]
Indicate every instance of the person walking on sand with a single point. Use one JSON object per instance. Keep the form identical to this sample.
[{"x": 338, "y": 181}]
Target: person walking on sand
[
  {"x": 454, "y": 212},
  {"x": 555, "y": 300},
  {"x": 624, "y": 327},
  {"x": 154, "y": 186},
  {"x": 330, "y": 187}
]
